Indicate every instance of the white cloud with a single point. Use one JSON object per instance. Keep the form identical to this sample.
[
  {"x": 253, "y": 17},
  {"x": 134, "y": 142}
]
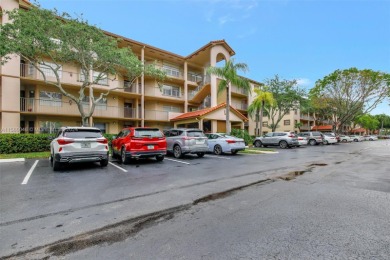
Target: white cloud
[
  {"x": 304, "y": 82},
  {"x": 242, "y": 9}
]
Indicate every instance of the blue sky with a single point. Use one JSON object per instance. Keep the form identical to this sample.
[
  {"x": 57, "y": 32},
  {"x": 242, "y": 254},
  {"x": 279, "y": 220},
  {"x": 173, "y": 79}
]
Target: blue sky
[{"x": 296, "y": 39}]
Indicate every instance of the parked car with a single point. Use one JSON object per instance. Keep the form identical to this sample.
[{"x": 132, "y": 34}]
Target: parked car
[
  {"x": 302, "y": 140},
  {"x": 139, "y": 142},
  {"x": 370, "y": 137},
  {"x": 220, "y": 143},
  {"x": 345, "y": 138},
  {"x": 313, "y": 138},
  {"x": 329, "y": 139},
  {"x": 182, "y": 141},
  {"x": 78, "y": 144},
  {"x": 281, "y": 139},
  {"x": 356, "y": 138}
]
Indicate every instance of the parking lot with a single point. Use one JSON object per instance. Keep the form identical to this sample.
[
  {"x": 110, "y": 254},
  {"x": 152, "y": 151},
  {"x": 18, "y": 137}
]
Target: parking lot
[{"x": 31, "y": 191}]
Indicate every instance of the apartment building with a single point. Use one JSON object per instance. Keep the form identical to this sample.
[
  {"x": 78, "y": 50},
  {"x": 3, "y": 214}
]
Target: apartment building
[{"x": 188, "y": 97}]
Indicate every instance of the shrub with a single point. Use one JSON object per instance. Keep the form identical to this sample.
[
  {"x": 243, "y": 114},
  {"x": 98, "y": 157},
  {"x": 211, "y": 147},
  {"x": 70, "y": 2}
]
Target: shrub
[
  {"x": 240, "y": 133},
  {"x": 24, "y": 143}
]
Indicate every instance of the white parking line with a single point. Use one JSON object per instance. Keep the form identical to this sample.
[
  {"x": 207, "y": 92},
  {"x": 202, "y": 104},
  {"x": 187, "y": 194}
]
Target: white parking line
[
  {"x": 214, "y": 156},
  {"x": 177, "y": 161},
  {"x": 120, "y": 168},
  {"x": 12, "y": 160},
  {"x": 30, "y": 172}
]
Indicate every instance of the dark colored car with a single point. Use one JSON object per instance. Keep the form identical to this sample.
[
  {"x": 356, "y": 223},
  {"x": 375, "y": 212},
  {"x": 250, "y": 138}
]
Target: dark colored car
[{"x": 139, "y": 142}]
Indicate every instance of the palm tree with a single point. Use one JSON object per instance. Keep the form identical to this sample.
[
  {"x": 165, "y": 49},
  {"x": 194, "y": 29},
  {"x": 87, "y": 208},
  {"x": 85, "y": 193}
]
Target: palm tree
[
  {"x": 256, "y": 108},
  {"x": 228, "y": 75}
]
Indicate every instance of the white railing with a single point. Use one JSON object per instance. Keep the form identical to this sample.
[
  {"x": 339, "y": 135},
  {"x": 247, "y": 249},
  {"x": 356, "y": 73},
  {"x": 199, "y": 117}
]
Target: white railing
[{"x": 46, "y": 106}]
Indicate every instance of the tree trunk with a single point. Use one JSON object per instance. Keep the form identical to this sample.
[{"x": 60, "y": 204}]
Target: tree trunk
[
  {"x": 257, "y": 123},
  {"x": 261, "y": 117},
  {"x": 85, "y": 121},
  {"x": 227, "y": 110}
]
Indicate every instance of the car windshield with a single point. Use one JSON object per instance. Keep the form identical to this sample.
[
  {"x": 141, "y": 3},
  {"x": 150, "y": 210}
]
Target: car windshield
[
  {"x": 195, "y": 134},
  {"x": 147, "y": 133},
  {"x": 82, "y": 133}
]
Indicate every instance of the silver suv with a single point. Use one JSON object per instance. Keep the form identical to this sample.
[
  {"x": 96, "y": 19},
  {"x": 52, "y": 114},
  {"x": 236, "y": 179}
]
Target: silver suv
[
  {"x": 181, "y": 141},
  {"x": 78, "y": 144},
  {"x": 313, "y": 138},
  {"x": 281, "y": 139}
]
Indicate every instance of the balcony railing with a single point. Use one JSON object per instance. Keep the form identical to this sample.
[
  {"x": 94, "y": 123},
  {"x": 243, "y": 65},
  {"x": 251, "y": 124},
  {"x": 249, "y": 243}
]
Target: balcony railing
[
  {"x": 68, "y": 77},
  {"x": 156, "y": 115},
  {"x": 307, "y": 117},
  {"x": 170, "y": 71},
  {"x": 241, "y": 106},
  {"x": 194, "y": 77},
  {"x": 47, "y": 106},
  {"x": 156, "y": 92},
  {"x": 239, "y": 90}
]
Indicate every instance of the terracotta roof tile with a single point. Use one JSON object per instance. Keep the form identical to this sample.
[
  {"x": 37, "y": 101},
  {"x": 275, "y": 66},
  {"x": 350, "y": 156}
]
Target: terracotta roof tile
[
  {"x": 205, "y": 111},
  {"x": 322, "y": 128}
]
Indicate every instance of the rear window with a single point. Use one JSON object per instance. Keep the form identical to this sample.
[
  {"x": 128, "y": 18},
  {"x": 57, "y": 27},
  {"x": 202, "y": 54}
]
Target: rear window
[
  {"x": 82, "y": 133},
  {"x": 195, "y": 134},
  {"x": 148, "y": 133},
  {"x": 316, "y": 134}
]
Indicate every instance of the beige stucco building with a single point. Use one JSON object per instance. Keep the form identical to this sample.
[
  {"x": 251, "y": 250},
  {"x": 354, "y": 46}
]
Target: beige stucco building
[{"x": 28, "y": 105}]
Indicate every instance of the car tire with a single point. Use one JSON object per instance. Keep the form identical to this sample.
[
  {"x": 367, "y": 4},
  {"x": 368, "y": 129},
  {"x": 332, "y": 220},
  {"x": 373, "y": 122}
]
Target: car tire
[
  {"x": 326, "y": 142},
  {"x": 56, "y": 165},
  {"x": 370, "y": 139},
  {"x": 217, "y": 149},
  {"x": 104, "y": 162},
  {"x": 234, "y": 152},
  {"x": 200, "y": 155},
  {"x": 298, "y": 146},
  {"x": 177, "y": 153},
  {"x": 283, "y": 144},
  {"x": 344, "y": 140},
  {"x": 159, "y": 158},
  {"x": 312, "y": 142},
  {"x": 258, "y": 143},
  {"x": 123, "y": 158},
  {"x": 355, "y": 140}
]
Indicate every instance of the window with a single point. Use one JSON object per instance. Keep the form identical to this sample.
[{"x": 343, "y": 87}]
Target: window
[
  {"x": 101, "y": 126},
  {"x": 48, "y": 67},
  {"x": 287, "y": 122},
  {"x": 171, "y": 91},
  {"x": 171, "y": 109},
  {"x": 47, "y": 127},
  {"x": 103, "y": 77},
  {"x": 265, "y": 123},
  {"x": 171, "y": 71},
  {"x": 53, "y": 99},
  {"x": 295, "y": 112},
  {"x": 101, "y": 105},
  {"x": 269, "y": 135}
]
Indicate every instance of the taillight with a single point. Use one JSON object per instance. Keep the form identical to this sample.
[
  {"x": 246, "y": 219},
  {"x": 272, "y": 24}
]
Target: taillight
[
  {"x": 300, "y": 138},
  {"x": 230, "y": 141},
  {"x": 291, "y": 135},
  {"x": 102, "y": 141},
  {"x": 186, "y": 138},
  {"x": 65, "y": 141}
]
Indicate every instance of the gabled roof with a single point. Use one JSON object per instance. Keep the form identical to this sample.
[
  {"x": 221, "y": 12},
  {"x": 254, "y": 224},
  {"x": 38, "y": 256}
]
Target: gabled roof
[
  {"x": 322, "y": 128},
  {"x": 203, "y": 112},
  {"x": 212, "y": 43}
]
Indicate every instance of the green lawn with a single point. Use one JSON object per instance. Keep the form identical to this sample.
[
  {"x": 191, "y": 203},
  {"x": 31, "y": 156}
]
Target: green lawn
[
  {"x": 254, "y": 150},
  {"x": 25, "y": 155}
]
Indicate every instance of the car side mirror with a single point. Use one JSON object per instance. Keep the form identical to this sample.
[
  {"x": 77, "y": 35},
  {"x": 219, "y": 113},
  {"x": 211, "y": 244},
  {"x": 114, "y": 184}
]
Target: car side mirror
[{"x": 114, "y": 137}]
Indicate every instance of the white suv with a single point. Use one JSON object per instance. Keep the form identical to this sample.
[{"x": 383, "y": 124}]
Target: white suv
[{"x": 78, "y": 144}]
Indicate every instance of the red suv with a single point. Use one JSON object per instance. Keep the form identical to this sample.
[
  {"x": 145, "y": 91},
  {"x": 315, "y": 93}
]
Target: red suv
[{"x": 139, "y": 142}]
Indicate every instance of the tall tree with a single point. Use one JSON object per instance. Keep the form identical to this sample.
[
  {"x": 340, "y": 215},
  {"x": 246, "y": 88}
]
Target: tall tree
[
  {"x": 47, "y": 40},
  {"x": 228, "y": 75},
  {"x": 352, "y": 92},
  {"x": 256, "y": 108},
  {"x": 287, "y": 98},
  {"x": 368, "y": 122}
]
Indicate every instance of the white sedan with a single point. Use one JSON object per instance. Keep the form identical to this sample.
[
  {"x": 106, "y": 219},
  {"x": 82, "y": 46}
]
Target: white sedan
[
  {"x": 329, "y": 139},
  {"x": 220, "y": 143},
  {"x": 345, "y": 138},
  {"x": 302, "y": 140},
  {"x": 356, "y": 138},
  {"x": 370, "y": 137}
]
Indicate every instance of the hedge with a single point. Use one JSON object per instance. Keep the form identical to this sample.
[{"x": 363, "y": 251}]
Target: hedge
[{"x": 27, "y": 143}]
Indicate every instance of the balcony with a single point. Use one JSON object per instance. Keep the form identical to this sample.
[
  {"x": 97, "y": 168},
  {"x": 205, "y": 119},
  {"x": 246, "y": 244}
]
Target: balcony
[
  {"x": 240, "y": 91},
  {"x": 171, "y": 71},
  {"x": 53, "y": 107},
  {"x": 240, "y": 106},
  {"x": 309, "y": 118},
  {"x": 27, "y": 71},
  {"x": 172, "y": 94},
  {"x": 156, "y": 115},
  {"x": 194, "y": 77}
]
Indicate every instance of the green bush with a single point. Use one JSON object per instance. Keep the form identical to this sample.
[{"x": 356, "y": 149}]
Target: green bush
[
  {"x": 240, "y": 133},
  {"x": 24, "y": 143}
]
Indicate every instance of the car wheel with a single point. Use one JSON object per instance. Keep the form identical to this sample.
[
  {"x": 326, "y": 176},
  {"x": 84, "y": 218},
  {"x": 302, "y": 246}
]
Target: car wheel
[
  {"x": 298, "y": 146},
  {"x": 326, "y": 142},
  {"x": 200, "y": 155},
  {"x": 104, "y": 162},
  {"x": 217, "y": 149},
  {"x": 283, "y": 144},
  {"x": 312, "y": 142},
  {"x": 234, "y": 152},
  {"x": 258, "y": 143},
  {"x": 56, "y": 165},
  {"x": 177, "y": 151},
  {"x": 355, "y": 140},
  {"x": 370, "y": 139},
  {"x": 344, "y": 140},
  {"x": 124, "y": 159},
  {"x": 159, "y": 158}
]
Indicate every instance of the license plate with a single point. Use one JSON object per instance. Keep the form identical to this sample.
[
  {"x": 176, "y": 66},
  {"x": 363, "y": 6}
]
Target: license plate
[
  {"x": 150, "y": 147},
  {"x": 85, "y": 145},
  {"x": 199, "y": 142}
]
